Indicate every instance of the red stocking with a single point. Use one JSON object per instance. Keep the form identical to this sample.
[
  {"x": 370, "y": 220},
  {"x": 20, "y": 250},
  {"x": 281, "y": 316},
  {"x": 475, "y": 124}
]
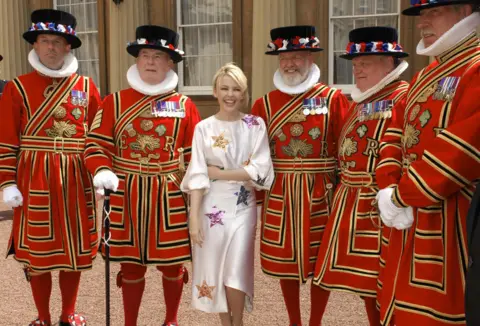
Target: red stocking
[
  {"x": 132, "y": 281},
  {"x": 69, "y": 282},
  {"x": 318, "y": 302},
  {"x": 372, "y": 311},
  {"x": 291, "y": 295},
  {"x": 42, "y": 289},
  {"x": 173, "y": 280}
]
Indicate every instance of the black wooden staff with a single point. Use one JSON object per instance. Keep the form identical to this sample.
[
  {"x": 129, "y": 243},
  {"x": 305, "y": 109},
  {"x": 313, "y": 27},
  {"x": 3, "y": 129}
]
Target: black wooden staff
[{"x": 106, "y": 238}]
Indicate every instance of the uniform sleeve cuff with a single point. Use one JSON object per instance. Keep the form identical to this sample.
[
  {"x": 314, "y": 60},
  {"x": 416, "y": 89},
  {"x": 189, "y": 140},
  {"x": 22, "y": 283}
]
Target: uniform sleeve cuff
[
  {"x": 397, "y": 199},
  {"x": 7, "y": 184},
  {"x": 102, "y": 168}
]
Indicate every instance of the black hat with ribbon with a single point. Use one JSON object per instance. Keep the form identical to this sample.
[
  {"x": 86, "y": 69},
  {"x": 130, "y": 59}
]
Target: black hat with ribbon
[
  {"x": 55, "y": 22},
  {"x": 373, "y": 41},
  {"x": 156, "y": 37},
  {"x": 293, "y": 38},
  {"x": 418, "y": 5}
]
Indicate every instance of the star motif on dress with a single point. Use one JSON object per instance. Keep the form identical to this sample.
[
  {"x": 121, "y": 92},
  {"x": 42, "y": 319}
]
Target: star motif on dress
[
  {"x": 205, "y": 291},
  {"x": 247, "y": 162},
  {"x": 250, "y": 120},
  {"x": 260, "y": 181},
  {"x": 215, "y": 217},
  {"x": 242, "y": 196},
  {"x": 220, "y": 141}
]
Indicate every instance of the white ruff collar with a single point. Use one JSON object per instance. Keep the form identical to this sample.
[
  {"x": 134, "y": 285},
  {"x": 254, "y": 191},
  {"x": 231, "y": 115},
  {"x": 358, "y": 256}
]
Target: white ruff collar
[
  {"x": 168, "y": 84},
  {"x": 359, "y": 97},
  {"x": 453, "y": 36},
  {"x": 70, "y": 65},
  {"x": 312, "y": 79}
]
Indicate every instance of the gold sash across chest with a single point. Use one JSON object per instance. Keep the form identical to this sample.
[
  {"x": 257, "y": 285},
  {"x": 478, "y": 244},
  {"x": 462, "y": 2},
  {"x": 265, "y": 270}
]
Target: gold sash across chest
[
  {"x": 427, "y": 80},
  {"x": 51, "y": 103}
]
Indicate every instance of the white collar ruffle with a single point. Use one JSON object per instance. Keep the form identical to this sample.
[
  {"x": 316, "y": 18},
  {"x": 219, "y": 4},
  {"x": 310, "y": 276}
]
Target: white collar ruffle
[
  {"x": 453, "y": 36},
  {"x": 168, "y": 84},
  {"x": 312, "y": 78},
  {"x": 359, "y": 97},
  {"x": 70, "y": 66}
]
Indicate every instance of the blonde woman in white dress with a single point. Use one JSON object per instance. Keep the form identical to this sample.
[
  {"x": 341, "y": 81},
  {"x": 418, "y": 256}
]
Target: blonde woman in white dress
[{"x": 230, "y": 160}]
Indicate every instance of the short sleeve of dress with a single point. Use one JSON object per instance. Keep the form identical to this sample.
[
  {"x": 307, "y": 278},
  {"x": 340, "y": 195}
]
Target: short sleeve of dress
[
  {"x": 196, "y": 176},
  {"x": 260, "y": 166}
]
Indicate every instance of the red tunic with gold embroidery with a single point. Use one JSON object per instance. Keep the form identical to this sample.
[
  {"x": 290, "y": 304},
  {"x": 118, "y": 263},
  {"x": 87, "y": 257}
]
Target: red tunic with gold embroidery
[
  {"x": 296, "y": 208},
  {"x": 149, "y": 213},
  {"x": 437, "y": 142},
  {"x": 349, "y": 256},
  {"x": 44, "y": 122}
]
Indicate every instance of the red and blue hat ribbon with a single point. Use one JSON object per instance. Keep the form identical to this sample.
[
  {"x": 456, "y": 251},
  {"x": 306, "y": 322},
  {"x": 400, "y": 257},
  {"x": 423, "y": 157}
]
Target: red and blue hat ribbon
[{"x": 373, "y": 47}]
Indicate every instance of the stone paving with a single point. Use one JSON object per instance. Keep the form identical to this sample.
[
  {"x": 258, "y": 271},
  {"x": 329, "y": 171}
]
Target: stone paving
[{"x": 17, "y": 309}]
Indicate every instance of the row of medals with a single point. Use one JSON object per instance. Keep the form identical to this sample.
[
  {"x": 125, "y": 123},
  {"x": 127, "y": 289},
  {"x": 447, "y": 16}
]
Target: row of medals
[
  {"x": 296, "y": 130},
  {"x": 315, "y": 111},
  {"x": 163, "y": 109},
  {"x": 439, "y": 92},
  {"x": 60, "y": 112}
]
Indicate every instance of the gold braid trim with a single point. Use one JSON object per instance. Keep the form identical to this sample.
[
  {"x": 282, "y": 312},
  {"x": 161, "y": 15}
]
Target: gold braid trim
[
  {"x": 173, "y": 278},
  {"x": 132, "y": 281}
]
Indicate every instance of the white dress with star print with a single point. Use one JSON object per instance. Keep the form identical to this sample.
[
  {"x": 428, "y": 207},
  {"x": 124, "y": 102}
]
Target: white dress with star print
[{"x": 228, "y": 214}]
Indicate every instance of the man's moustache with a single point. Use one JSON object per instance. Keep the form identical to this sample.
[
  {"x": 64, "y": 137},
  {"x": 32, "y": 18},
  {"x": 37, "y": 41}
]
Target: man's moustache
[{"x": 423, "y": 33}]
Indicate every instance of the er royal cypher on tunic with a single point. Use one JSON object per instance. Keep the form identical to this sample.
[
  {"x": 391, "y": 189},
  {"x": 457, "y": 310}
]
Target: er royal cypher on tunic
[{"x": 228, "y": 213}]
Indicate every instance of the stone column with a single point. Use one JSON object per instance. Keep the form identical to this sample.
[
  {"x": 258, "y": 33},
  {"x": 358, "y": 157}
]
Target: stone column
[
  {"x": 39, "y": 4},
  {"x": 267, "y": 14},
  {"x": 315, "y": 12},
  {"x": 163, "y": 13},
  {"x": 13, "y": 48},
  {"x": 121, "y": 22},
  {"x": 409, "y": 38}
]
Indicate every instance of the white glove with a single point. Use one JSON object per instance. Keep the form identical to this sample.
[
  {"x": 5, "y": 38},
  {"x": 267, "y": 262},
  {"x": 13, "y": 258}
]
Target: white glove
[
  {"x": 12, "y": 197},
  {"x": 404, "y": 220},
  {"x": 388, "y": 210},
  {"x": 387, "y": 222},
  {"x": 105, "y": 179}
]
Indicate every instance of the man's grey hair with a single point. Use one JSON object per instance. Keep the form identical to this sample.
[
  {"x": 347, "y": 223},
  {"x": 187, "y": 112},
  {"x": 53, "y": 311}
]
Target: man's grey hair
[
  {"x": 396, "y": 61},
  {"x": 459, "y": 7}
]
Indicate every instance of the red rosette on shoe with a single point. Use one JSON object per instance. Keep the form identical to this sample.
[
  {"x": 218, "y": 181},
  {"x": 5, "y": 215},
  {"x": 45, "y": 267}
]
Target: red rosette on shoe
[{"x": 74, "y": 320}]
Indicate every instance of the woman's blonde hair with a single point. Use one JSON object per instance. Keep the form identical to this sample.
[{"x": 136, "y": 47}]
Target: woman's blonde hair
[{"x": 234, "y": 72}]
